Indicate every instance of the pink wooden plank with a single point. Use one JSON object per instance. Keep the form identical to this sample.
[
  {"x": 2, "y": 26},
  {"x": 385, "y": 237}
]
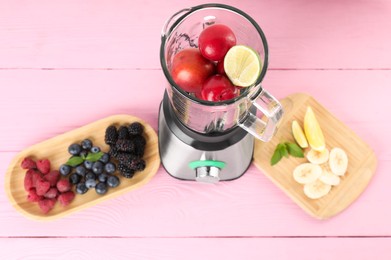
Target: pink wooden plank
[
  {"x": 126, "y": 34},
  {"x": 195, "y": 248}
]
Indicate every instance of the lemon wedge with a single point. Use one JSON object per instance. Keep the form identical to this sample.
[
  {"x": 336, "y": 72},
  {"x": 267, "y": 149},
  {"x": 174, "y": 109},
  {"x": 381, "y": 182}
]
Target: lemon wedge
[
  {"x": 242, "y": 65},
  {"x": 313, "y": 132},
  {"x": 298, "y": 134}
]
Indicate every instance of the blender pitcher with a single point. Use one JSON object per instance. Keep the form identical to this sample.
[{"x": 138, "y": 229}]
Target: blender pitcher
[{"x": 208, "y": 130}]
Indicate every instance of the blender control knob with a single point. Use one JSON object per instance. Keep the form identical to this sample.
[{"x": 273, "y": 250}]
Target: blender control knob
[{"x": 207, "y": 174}]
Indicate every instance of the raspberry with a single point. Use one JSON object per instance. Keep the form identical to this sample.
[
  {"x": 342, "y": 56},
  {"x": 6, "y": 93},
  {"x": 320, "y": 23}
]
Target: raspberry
[
  {"x": 42, "y": 187},
  {"x": 111, "y": 135},
  {"x": 51, "y": 193},
  {"x": 66, "y": 198},
  {"x": 46, "y": 205},
  {"x": 43, "y": 166},
  {"x": 36, "y": 176},
  {"x": 123, "y": 133},
  {"x": 63, "y": 185},
  {"x": 28, "y": 180},
  {"x": 135, "y": 128},
  {"x": 52, "y": 177},
  {"x": 28, "y": 163},
  {"x": 125, "y": 146},
  {"x": 32, "y": 196}
]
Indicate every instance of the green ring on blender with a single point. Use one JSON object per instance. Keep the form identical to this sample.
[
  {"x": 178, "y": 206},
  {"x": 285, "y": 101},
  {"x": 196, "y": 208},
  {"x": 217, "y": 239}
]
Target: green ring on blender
[{"x": 206, "y": 163}]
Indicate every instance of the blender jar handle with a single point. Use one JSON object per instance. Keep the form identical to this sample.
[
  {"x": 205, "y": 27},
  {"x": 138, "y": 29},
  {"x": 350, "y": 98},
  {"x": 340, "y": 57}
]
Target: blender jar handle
[
  {"x": 172, "y": 20},
  {"x": 264, "y": 128}
]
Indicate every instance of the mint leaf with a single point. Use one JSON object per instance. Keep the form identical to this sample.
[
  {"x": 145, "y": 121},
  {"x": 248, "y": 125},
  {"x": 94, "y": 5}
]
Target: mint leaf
[
  {"x": 93, "y": 157},
  {"x": 276, "y": 155},
  {"x": 294, "y": 150},
  {"x": 74, "y": 161},
  {"x": 284, "y": 150}
]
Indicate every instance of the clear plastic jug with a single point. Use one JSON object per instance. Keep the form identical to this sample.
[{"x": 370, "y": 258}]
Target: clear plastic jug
[{"x": 255, "y": 109}]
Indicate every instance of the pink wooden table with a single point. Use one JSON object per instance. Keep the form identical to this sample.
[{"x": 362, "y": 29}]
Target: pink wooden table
[{"x": 64, "y": 64}]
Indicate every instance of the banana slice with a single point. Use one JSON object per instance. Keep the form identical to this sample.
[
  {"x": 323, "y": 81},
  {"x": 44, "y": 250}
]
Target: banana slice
[
  {"x": 318, "y": 157},
  {"x": 327, "y": 177},
  {"x": 306, "y": 173},
  {"x": 338, "y": 161},
  {"x": 316, "y": 189}
]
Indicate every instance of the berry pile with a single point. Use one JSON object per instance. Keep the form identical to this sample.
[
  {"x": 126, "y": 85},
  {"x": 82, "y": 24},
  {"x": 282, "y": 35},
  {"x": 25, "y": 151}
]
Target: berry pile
[
  {"x": 127, "y": 145},
  {"x": 45, "y": 186},
  {"x": 89, "y": 168}
]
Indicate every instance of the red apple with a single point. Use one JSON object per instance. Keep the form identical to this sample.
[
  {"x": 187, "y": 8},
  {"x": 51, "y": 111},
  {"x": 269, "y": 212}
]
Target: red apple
[
  {"x": 218, "y": 88},
  {"x": 220, "y": 68},
  {"x": 215, "y": 41},
  {"x": 190, "y": 69}
]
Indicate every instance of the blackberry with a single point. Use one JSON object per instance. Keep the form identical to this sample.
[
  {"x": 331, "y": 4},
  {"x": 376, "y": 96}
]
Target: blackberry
[
  {"x": 136, "y": 128},
  {"x": 125, "y": 171},
  {"x": 123, "y": 133},
  {"x": 113, "y": 152},
  {"x": 139, "y": 143},
  {"x": 137, "y": 164},
  {"x": 125, "y": 146},
  {"x": 111, "y": 135},
  {"x": 125, "y": 158}
]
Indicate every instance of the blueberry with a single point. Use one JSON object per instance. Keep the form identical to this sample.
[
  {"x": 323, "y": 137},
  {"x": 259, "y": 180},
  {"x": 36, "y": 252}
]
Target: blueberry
[
  {"x": 103, "y": 177},
  {"x": 74, "y": 178},
  {"x": 80, "y": 170},
  {"x": 105, "y": 158},
  {"x": 74, "y": 149},
  {"x": 90, "y": 183},
  {"x": 81, "y": 188},
  {"x": 101, "y": 188},
  {"x": 86, "y": 144},
  {"x": 97, "y": 167},
  {"x": 113, "y": 181},
  {"x": 91, "y": 176},
  {"x": 95, "y": 149},
  {"x": 83, "y": 154},
  {"x": 88, "y": 164},
  {"x": 110, "y": 168},
  {"x": 65, "y": 169}
]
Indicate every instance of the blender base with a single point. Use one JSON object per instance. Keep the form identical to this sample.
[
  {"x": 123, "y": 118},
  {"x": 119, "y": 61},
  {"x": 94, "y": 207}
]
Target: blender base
[{"x": 183, "y": 161}]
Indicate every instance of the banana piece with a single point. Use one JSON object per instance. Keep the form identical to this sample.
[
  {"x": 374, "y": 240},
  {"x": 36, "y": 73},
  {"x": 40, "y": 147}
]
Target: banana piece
[
  {"x": 338, "y": 161},
  {"x": 316, "y": 189},
  {"x": 318, "y": 157},
  {"x": 307, "y": 173},
  {"x": 327, "y": 177}
]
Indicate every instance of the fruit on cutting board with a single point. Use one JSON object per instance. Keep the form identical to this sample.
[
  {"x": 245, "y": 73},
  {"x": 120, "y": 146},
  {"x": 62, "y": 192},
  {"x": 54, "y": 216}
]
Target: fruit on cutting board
[
  {"x": 190, "y": 69},
  {"x": 312, "y": 131},
  {"x": 318, "y": 157},
  {"x": 338, "y": 161},
  {"x": 215, "y": 40},
  {"x": 328, "y": 177},
  {"x": 316, "y": 189},
  {"x": 307, "y": 173},
  {"x": 298, "y": 134},
  {"x": 242, "y": 65}
]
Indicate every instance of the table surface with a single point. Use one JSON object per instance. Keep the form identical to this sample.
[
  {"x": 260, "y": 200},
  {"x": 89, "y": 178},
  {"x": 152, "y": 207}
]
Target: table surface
[{"x": 64, "y": 64}]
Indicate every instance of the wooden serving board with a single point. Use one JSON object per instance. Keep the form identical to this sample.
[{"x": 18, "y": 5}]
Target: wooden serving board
[
  {"x": 361, "y": 168},
  {"x": 56, "y": 150}
]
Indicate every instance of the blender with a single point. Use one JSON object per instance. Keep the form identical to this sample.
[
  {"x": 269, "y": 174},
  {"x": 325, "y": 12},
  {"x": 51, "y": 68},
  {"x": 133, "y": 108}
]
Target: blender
[{"x": 211, "y": 141}]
